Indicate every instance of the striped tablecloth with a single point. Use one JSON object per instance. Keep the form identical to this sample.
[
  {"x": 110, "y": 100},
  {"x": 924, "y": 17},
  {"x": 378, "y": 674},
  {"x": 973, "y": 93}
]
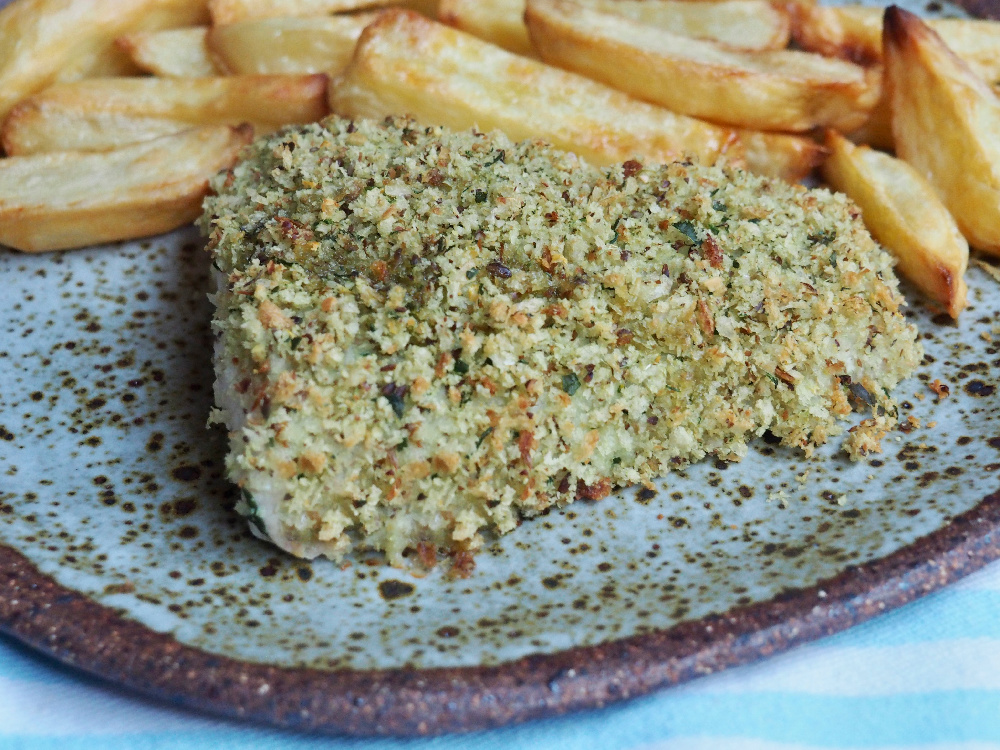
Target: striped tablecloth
[{"x": 924, "y": 676}]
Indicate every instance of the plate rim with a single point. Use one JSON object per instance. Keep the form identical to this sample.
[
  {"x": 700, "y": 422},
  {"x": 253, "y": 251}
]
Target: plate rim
[
  {"x": 65, "y": 625},
  {"x": 77, "y": 631}
]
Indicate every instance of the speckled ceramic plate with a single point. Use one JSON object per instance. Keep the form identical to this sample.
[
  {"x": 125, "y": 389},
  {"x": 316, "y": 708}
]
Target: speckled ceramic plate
[{"x": 120, "y": 552}]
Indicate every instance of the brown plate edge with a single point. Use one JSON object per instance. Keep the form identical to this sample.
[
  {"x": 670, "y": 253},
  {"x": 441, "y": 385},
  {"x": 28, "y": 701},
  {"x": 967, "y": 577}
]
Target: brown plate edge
[
  {"x": 89, "y": 636},
  {"x": 78, "y": 632}
]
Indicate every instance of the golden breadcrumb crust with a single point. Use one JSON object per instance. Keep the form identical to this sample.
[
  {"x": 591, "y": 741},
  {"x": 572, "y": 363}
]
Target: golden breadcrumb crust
[{"x": 426, "y": 334}]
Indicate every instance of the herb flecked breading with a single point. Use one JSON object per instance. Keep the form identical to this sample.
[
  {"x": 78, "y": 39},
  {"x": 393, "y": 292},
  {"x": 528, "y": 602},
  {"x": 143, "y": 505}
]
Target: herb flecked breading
[{"x": 425, "y": 334}]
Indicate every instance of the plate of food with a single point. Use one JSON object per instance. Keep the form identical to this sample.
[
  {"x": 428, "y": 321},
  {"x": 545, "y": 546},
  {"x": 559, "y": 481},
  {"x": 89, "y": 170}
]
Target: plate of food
[{"x": 508, "y": 372}]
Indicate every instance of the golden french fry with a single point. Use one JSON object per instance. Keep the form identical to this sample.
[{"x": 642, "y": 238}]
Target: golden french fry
[
  {"x": 769, "y": 90},
  {"x": 849, "y": 32},
  {"x": 288, "y": 45},
  {"x": 406, "y": 63},
  {"x": 107, "y": 62},
  {"x": 175, "y": 52},
  {"x": 854, "y": 32},
  {"x": 73, "y": 199},
  {"x": 233, "y": 11},
  {"x": 903, "y": 212},
  {"x": 103, "y": 113},
  {"x": 976, "y": 42},
  {"x": 499, "y": 22},
  {"x": 877, "y": 130},
  {"x": 740, "y": 24},
  {"x": 946, "y": 123},
  {"x": 790, "y": 157},
  {"x": 42, "y": 41},
  {"x": 49, "y": 131}
]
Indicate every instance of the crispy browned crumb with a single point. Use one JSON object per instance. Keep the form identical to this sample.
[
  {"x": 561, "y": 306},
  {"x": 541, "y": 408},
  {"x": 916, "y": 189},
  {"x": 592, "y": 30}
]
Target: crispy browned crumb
[
  {"x": 941, "y": 389},
  {"x": 462, "y": 564},
  {"x": 427, "y": 554},
  {"x": 866, "y": 437}
]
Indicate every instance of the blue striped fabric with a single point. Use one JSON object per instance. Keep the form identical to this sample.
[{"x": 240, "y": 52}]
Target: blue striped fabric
[{"x": 924, "y": 676}]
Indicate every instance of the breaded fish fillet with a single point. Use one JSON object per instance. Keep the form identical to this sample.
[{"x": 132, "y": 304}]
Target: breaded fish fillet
[{"x": 422, "y": 335}]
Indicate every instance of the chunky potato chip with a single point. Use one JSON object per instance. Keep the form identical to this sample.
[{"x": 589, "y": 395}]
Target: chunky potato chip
[
  {"x": 175, "y": 52},
  {"x": 740, "y": 24},
  {"x": 903, "y": 212},
  {"x": 854, "y": 32},
  {"x": 42, "y": 41},
  {"x": 769, "y": 90},
  {"x": 73, "y": 199},
  {"x": 288, "y": 45},
  {"x": 104, "y": 113},
  {"x": 946, "y": 123},
  {"x": 406, "y": 63},
  {"x": 232, "y": 11}
]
